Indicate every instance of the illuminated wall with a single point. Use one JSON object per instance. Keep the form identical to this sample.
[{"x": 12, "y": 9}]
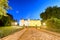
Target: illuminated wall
[
  {"x": 34, "y": 23},
  {"x": 30, "y": 22},
  {"x": 21, "y": 22}
]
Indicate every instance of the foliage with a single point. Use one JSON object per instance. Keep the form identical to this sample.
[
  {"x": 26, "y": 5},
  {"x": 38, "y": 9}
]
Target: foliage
[
  {"x": 3, "y": 7},
  {"x": 52, "y": 18},
  {"x": 4, "y": 3},
  {"x": 5, "y": 31},
  {"x": 51, "y": 12},
  {"x": 6, "y": 20},
  {"x": 11, "y": 17},
  {"x": 53, "y": 24}
]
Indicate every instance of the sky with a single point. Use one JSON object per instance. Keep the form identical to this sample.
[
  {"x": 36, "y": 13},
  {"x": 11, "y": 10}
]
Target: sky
[{"x": 30, "y": 9}]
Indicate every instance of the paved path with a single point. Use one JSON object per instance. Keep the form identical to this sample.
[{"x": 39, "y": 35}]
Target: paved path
[{"x": 32, "y": 34}]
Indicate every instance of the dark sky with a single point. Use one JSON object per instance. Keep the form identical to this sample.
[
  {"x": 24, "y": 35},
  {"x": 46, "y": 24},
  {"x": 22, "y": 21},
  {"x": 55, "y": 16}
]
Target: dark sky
[{"x": 30, "y": 9}]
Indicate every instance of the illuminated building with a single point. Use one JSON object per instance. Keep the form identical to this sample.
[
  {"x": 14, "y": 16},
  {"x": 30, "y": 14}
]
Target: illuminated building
[{"x": 24, "y": 22}]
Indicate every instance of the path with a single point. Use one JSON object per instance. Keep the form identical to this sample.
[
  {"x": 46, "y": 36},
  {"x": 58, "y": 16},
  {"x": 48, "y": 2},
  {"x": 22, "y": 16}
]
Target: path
[{"x": 32, "y": 34}]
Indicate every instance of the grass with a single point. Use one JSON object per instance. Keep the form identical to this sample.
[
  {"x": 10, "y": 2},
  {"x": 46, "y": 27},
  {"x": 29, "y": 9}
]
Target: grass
[
  {"x": 54, "y": 30},
  {"x": 5, "y": 31}
]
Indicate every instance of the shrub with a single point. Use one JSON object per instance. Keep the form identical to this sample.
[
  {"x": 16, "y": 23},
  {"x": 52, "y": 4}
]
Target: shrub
[
  {"x": 5, "y": 31},
  {"x": 53, "y": 24}
]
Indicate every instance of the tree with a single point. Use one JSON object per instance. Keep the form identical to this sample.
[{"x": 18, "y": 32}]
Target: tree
[
  {"x": 11, "y": 17},
  {"x": 3, "y": 7},
  {"x": 53, "y": 24},
  {"x": 51, "y": 17},
  {"x": 51, "y": 12},
  {"x": 6, "y": 20}
]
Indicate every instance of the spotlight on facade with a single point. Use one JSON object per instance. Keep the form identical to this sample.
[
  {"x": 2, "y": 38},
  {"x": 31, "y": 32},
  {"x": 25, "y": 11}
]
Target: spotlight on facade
[
  {"x": 44, "y": 24},
  {"x": 16, "y": 23}
]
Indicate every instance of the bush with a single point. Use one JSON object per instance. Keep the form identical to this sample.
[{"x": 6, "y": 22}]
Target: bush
[
  {"x": 5, "y": 31},
  {"x": 53, "y": 24}
]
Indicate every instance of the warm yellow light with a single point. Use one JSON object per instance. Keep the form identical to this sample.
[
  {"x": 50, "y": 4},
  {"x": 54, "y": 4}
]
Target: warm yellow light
[
  {"x": 38, "y": 28},
  {"x": 35, "y": 23},
  {"x": 30, "y": 22},
  {"x": 44, "y": 24},
  {"x": 15, "y": 23}
]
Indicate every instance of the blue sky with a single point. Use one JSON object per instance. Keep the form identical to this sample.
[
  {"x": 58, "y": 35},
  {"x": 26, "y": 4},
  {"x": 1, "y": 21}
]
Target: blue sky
[{"x": 30, "y": 9}]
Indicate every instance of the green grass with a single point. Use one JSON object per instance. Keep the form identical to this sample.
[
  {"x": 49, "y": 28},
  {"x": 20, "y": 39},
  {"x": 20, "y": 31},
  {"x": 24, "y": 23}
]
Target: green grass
[
  {"x": 4, "y": 31},
  {"x": 54, "y": 30}
]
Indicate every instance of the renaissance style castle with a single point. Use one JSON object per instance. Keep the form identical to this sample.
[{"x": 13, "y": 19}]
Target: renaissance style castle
[{"x": 28, "y": 22}]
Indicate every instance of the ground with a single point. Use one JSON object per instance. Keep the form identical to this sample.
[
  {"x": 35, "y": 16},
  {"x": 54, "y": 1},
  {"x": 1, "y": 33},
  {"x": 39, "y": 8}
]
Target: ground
[{"x": 32, "y": 34}]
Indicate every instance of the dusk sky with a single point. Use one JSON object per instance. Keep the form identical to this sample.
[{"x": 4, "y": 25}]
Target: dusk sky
[{"x": 30, "y": 9}]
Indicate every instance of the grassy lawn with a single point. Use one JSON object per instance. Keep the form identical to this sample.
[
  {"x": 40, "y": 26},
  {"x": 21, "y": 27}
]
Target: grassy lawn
[
  {"x": 54, "y": 30},
  {"x": 4, "y": 31}
]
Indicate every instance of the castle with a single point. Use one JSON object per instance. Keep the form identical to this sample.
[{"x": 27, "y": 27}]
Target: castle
[{"x": 28, "y": 22}]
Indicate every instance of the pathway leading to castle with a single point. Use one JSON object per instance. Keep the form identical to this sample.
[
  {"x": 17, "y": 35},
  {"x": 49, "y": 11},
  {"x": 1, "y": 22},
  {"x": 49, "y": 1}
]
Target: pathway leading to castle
[{"x": 32, "y": 34}]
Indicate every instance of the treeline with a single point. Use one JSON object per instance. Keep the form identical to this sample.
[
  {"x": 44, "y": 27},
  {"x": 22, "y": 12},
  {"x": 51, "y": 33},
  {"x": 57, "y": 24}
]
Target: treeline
[
  {"x": 5, "y": 18},
  {"x": 51, "y": 17}
]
